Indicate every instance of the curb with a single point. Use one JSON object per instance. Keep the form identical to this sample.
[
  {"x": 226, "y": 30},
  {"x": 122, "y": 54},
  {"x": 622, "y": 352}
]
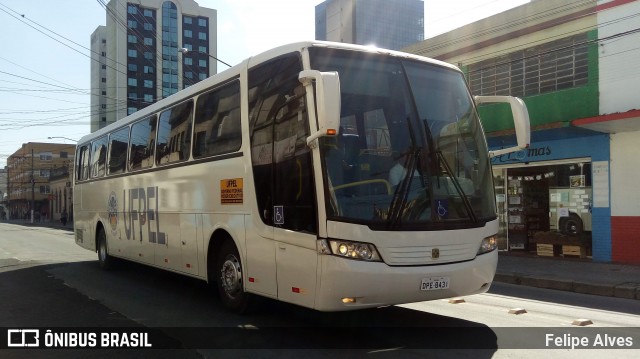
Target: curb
[{"x": 622, "y": 290}]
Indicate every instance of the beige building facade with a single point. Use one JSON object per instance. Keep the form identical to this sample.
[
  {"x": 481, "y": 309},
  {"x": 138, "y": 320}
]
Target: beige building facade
[{"x": 30, "y": 170}]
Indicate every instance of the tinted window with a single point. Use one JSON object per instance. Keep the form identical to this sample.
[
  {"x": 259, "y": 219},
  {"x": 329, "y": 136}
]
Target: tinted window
[
  {"x": 99, "y": 158},
  {"x": 83, "y": 163},
  {"x": 118, "y": 144},
  {"x": 281, "y": 159},
  {"x": 143, "y": 134},
  {"x": 174, "y": 134},
  {"x": 217, "y": 122}
]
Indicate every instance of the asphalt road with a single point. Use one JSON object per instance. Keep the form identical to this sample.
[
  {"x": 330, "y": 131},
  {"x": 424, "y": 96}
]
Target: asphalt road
[{"x": 48, "y": 281}]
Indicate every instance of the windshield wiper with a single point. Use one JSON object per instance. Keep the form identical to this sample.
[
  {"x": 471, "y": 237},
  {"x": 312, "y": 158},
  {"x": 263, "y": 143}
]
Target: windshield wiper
[
  {"x": 458, "y": 187},
  {"x": 401, "y": 193}
]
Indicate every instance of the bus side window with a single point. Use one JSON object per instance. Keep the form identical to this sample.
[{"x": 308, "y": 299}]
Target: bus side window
[
  {"x": 174, "y": 134},
  {"x": 83, "y": 163},
  {"x": 99, "y": 159},
  {"x": 142, "y": 143},
  {"x": 217, "y": 121},
  {"x": 118, "y": 142}
]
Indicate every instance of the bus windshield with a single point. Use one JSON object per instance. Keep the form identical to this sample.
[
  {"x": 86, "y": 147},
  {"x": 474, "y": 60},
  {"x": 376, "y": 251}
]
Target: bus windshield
[{"x": 411, "y": 152}]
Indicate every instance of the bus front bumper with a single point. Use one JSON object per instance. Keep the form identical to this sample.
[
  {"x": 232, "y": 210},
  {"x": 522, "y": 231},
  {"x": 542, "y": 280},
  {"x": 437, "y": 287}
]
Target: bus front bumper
[{"x": 350, "y": 284}]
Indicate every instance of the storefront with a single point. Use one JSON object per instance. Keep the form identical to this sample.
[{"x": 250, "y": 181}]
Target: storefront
[{"x": 555, "y": 191}]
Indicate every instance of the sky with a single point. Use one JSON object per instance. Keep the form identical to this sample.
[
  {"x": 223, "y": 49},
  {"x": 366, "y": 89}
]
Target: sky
[{"x": 45, "y": 62}]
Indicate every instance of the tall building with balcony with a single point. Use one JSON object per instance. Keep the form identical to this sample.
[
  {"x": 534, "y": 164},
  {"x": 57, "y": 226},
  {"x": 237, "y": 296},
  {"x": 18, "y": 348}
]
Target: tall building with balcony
[
  {"x": 389, "y": 24},
  {"x": 136, "y": 58},
  {"x": 572, "y": 62}
]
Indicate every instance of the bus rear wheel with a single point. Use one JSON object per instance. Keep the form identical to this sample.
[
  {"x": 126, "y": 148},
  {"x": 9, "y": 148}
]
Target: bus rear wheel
[
  {"x": 103, "y": 252},
  {"x": 229, "y": 279}
]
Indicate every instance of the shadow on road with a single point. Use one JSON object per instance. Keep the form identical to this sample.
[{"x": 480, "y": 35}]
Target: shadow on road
[{"x": 82, "y": 295}]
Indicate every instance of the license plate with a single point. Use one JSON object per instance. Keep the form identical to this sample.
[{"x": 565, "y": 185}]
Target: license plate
[{"x": 434, "y": 283}]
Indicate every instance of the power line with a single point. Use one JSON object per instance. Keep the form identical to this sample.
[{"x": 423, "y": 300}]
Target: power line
[{"x": 21, "y": 17}]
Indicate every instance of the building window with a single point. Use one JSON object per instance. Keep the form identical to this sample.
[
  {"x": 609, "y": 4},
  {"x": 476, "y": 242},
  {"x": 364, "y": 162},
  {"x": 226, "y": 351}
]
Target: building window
[
  {"x": 104, "y": 67},
  {"x": 132, "y": 67},
  {"x": 188, "y": 61},
  {"x": 132, "y": 53},
  {"x": 202, "y": 63},
  {"x": 148, "y": 55},
  {"x": 64, "y": 154},
  {"x": 45, "y": 173},
  {"x": 132, "y": 82},
  {"x": 148, "y": 26},
  {"x": 132, "y": 24},
  {"x": 202, "y": 76},
  {"x": 148, "y": 13},
  {"x": 46, "y": 156},
  {"x": 103, "y": 106},
  {"x": 552, "y": 66},
  {"x": 202, "y": 22},
  {"x": 131, "y": 9},
  {"x": 202, "y": 49},
  {"x": 132, "y": 39},
  {"x": 170, "y": 36},
  {"x": 188, "y": 74},
  {"x": 148, "y": 41},
  {"x": 148, "y": 84},
  {"x": 45, "y": 189},
  {"x": 148, "y": 98},
  {"x": 104, "y": 80},
  {"x": 188, "y": 20},
  {"x": 148, "y": 69},
  {"x": 188, "y": 47},
  {"x": 202, "y": 35},
  {"x": 132, "y": 95},
  {"x": 188, "y": 33},
  {"x": 131, "y": 110}
]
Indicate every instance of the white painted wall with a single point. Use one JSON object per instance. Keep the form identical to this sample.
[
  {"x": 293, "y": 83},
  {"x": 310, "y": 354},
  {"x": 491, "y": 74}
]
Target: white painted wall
[
  {"x": 619, "y": 71},
  {"x": 625, "y": 184}
]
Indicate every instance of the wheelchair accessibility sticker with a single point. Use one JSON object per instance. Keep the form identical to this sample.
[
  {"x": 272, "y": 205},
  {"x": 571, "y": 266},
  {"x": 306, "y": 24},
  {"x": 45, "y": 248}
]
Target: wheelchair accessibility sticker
[
  {"x": 442, "y": 208},
  {"x": 278, "y": 215}
]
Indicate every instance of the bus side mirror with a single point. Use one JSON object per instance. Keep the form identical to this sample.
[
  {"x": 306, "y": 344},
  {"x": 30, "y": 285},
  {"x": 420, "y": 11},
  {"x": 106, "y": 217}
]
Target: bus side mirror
[
  {"x": 327, "y": 104},
  {"x": 520, "y": 119}
]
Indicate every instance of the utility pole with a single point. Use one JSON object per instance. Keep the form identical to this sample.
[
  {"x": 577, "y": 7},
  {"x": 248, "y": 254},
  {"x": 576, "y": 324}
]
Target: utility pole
[{"x": 33, "y": 189}]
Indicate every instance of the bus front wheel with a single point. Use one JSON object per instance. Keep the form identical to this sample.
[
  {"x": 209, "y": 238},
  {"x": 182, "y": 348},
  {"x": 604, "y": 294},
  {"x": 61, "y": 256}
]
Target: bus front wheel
[{"x": 229, "y": 279}]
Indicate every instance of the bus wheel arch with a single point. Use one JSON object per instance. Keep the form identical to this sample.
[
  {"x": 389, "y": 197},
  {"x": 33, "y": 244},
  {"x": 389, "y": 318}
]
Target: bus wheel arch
[{"x": 225, "y": 271}]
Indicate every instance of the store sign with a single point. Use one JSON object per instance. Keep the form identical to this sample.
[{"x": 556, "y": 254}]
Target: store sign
[{"x": 530, "y": 154}]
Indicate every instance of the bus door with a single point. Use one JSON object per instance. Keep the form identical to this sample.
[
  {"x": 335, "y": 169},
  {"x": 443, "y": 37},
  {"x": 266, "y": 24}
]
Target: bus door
[
  {"x": 294, "y": 211},
  {"x": 283, "y": 180}
]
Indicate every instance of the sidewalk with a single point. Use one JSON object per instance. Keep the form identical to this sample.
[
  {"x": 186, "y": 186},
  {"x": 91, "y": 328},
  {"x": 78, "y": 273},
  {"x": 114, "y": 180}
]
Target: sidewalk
[{"x": 568, "y": 274}]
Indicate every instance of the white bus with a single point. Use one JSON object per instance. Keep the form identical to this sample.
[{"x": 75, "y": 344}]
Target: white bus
[{"x": 272, "y": 178}]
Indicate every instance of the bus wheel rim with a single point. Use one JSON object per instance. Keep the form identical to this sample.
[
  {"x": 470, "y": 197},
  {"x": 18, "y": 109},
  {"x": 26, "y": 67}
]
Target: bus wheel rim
[{"x": 231, "y": 276}]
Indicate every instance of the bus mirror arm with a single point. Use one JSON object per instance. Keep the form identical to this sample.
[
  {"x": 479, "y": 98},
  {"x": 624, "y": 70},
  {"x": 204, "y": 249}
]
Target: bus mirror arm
[
  {"x": 520, "y": 119},
  {"x": 327, "y": 101}
]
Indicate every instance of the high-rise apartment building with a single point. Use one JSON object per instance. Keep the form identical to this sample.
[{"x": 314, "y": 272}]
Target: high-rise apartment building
[
  {"x": 136, "y": 57},
  {"x": 390, "y": 24}
]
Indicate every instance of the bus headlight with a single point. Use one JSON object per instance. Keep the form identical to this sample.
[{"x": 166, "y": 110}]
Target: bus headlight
[
  {"x": 488, "y": 244},
  {"x": 354, "y": 250}
]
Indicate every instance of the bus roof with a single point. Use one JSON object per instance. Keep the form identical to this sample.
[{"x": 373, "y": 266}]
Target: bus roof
[{"x": 235, "y": 70}]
